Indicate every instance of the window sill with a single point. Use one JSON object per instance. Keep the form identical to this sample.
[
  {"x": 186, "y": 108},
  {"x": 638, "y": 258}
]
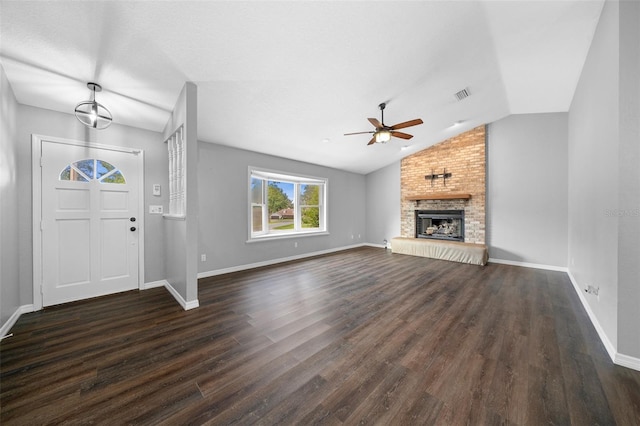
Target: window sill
[
  {"x": 174, "y": 216},
  {"x": 286, "y": 236}
]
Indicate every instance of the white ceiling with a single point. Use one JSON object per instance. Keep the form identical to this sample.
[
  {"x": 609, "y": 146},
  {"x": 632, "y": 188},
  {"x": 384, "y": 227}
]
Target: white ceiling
[{"x": 280, "y": 77}]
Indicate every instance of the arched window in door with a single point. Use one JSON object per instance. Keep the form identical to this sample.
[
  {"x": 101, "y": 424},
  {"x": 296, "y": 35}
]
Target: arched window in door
[{"x": 92, "y": 169}]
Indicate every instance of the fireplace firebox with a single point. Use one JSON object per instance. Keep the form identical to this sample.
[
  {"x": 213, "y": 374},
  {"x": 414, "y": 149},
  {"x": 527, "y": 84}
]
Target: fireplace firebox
[{"x": 440, "y": 224}]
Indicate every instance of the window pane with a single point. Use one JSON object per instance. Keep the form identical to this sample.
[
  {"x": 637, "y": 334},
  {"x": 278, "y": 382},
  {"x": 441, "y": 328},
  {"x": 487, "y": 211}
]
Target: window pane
[
  {"x": 256, "y": 191},
  {"x": 309, "y": 195},
  {"x": 115, "y": 177},
  {"x": 256, "y": 218},
  {"x": 102, "y": 168},
  {"x": 86, "y": 167},
  {"x": 280, "y": 202},
  {"x": 71, "y": 174},
  {"x": 310, "y": 217}
]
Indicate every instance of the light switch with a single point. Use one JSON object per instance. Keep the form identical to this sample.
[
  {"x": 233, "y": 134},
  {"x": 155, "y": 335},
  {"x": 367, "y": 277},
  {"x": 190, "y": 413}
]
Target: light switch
[
  {"x": 155, "y": 209},
  {"x": 156, "y": 189}
]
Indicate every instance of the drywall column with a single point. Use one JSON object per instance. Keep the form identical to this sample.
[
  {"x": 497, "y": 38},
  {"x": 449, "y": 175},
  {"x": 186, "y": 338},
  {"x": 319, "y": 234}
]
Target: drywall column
[{"x": 181, "y": 231}]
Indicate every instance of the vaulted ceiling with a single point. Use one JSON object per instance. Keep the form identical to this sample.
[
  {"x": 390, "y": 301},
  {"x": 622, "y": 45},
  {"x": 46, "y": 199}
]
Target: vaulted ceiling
[{"x": 290, "y": 78}]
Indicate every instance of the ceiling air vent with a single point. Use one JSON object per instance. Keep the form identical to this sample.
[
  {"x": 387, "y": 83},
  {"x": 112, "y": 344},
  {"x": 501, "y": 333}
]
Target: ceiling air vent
[{"x": 464, "y": 93}]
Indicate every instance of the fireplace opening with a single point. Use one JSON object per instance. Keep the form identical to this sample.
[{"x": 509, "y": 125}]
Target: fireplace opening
[{"x": 440, "y": 224}]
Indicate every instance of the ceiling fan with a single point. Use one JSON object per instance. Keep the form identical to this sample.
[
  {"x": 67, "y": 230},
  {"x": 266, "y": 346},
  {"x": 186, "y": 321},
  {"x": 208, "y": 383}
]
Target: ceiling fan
[{"x": 383, "y": 133}]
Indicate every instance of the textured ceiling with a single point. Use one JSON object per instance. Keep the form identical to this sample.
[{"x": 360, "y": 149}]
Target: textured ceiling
[{"x": 281, "y": 77}]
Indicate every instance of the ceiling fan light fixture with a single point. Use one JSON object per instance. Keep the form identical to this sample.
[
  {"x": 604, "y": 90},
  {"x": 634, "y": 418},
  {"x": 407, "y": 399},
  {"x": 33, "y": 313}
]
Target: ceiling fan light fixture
[
  {"x": 383, "y": 136},
  {"x": 91, "y": 113}
]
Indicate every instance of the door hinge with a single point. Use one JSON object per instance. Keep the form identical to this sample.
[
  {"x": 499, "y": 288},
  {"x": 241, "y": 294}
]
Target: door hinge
[
  {"x": 42, "y": 225},
  {"x": 41, "y": 161}
]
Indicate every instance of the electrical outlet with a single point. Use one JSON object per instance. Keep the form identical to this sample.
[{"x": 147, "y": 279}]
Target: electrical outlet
[
  {"x": 203, "y": 258},
  {"x": 592, "y": 290},
  {"x": 156, "y": 189},
  {"x": 155, "y": 209}
]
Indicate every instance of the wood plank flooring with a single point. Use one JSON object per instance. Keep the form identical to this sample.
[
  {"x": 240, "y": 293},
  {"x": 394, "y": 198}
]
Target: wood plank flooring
[{"x": 360, "y": 336}]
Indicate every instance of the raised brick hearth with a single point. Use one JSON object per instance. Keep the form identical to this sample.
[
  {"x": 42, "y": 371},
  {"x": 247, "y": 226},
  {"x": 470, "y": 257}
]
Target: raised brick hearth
[{"x": 464, "y": 157}]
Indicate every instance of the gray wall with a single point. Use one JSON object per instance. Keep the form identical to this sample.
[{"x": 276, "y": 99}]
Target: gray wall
[
  {"x": 527, "y": 206},
  {"x": 383, "y": 204},
  {"x": 594, "y": 173},
  {"x": 45, "y": 122},
  {"x": 9, "y": 238},
  {"x": 629, "y": 186},
  {"x": 223, "y": 207},
  {"x": 604, "y": 177}
]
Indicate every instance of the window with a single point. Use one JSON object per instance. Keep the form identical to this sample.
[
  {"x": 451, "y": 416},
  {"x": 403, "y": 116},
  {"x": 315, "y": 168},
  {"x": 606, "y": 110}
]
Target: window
[
  {"x": 90, "y": 169},
  {"x": 285, "y": 205},
  {"x": 177, "y": 175}
]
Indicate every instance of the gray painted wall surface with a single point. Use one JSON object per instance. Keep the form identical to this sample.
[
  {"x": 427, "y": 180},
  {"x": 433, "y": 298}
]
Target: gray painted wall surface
[
  {"x": 594, "y": 173},
  {"x": 629, "y": 186},
  {"x": 9, "y": 239},
  {"x": 527, "y": 206},
  {"x": 45, "y": 122},
  {"x": 223, "y": 208},
  {"x": 383, "y": 204}
]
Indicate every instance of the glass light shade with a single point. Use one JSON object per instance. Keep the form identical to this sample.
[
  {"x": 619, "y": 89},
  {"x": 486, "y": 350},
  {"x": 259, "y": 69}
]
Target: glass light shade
[{"x": 383, "y": 136}]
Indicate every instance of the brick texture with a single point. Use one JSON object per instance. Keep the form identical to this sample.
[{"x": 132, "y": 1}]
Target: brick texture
[{"x": 464, "y": 157}]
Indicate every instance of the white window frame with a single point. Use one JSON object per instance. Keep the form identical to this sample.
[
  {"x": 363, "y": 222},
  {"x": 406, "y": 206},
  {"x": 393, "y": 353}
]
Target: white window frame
[{"x": 296, "y": 180}]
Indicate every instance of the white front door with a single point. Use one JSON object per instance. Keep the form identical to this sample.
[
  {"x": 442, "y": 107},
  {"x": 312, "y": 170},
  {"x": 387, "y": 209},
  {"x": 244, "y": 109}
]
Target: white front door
[{"x": 90, "y": 221}]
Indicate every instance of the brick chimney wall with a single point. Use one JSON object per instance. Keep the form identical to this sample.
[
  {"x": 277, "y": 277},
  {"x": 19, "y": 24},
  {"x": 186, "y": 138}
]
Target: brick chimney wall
[{"x": 464, "y": 157}]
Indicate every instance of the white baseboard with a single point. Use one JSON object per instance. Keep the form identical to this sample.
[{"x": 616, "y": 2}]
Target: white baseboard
[
  {"x": 376, "y": 245},
  {"x": 616, "y": 357},
  {"x": 611, "y": 349},
  {"x": 276, "y": 261},
  {"x": 185, "y": 305},
  {"x": 529, "y": 265},
  {"x": 627, "y": 361},
  {"x": 6, "y": 327},
  {"x": 153, "y": 284}
]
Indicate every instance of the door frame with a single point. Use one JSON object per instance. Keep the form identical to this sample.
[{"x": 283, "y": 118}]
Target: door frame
[{"x": 36, "y": 179}]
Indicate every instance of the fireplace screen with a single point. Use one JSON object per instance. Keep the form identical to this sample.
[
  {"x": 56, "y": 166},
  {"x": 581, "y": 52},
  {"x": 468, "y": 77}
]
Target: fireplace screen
[{"x": 440, "y": 224}]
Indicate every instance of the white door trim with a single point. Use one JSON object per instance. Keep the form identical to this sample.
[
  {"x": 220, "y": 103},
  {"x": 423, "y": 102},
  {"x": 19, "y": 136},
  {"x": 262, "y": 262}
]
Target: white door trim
[{"x": 36, "y": 176}]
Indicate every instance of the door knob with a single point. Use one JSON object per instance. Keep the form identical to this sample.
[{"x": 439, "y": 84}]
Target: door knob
[
  {"x": 133, "y": 219},
  {"x": 133, "y": 228}
]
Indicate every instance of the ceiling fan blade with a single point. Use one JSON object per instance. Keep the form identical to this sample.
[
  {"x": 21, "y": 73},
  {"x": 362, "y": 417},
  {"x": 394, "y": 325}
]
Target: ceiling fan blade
[
  {"x": 372, "y": 141},
  {"x": 401, "y": 135},
  {"x": 407, "y": 124},
  {"x": 358, "y": 133},
  {"x": 375, "y": 122}
]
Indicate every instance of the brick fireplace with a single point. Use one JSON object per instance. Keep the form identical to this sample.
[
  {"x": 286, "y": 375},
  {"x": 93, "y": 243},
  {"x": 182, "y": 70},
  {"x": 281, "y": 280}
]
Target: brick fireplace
[{"x": 463, "y": 157}]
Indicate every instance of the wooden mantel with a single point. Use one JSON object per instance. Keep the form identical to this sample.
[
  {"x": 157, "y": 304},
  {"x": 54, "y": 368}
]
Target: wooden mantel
[{"x": 439, "y": 196}]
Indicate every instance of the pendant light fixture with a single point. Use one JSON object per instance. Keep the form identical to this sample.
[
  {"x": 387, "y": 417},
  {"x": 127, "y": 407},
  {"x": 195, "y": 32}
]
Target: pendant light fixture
[{"x": 91, "y": 113}]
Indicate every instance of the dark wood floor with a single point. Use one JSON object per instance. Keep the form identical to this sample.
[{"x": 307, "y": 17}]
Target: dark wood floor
[{"x": 361, "y": 336}]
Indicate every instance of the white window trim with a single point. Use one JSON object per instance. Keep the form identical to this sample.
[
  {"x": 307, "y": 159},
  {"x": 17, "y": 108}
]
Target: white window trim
[{"x": 297, "y": 179}]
